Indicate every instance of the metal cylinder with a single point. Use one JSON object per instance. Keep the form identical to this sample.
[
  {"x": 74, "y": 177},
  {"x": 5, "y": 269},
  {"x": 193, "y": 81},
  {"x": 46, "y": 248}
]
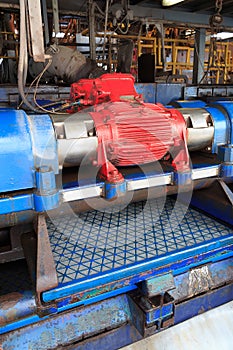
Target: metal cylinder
[
  {"x": 200, "y": 128},
  {"x": 77, "y": 140}
]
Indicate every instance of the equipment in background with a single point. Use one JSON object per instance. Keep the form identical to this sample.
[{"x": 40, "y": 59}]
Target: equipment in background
[
  {"x": 146, "y": 68},
  {"x": 68, "y": 65}
]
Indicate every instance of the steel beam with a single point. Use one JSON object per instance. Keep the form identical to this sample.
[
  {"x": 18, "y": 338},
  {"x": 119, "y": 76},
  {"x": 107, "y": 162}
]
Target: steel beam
[
  {"x": 91, "y": 18},
  {"x": 199, "y": 55},
  {"x": 36, "y": 30},
  {"x": 177, "y": 17},
  {"x": 55, "y": 16}
]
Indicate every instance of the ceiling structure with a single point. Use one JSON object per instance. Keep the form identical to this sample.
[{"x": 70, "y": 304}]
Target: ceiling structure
[
  {"x": 195, "y": 12},
  {"x": 191, "y": 6}
]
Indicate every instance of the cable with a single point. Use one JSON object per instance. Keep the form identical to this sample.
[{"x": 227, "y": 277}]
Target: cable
[
  {"x": 22, "y": 65},
  {"x": 36, "y": 88}
]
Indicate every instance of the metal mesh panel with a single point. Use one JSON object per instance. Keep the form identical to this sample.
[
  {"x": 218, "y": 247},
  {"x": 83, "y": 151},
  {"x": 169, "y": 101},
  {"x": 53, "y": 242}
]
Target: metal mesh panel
[{"x": 97, "y": 242}]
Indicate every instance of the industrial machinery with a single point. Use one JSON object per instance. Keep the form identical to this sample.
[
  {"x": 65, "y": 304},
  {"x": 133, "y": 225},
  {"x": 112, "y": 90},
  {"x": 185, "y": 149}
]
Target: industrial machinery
[
  {"x": 115, "y": 211},
  {"x": 100, "y": 203}
]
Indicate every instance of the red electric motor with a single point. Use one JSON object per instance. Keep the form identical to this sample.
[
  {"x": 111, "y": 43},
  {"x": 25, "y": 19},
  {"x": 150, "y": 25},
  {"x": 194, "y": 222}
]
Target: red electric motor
[{"x": 129, "y": 131}]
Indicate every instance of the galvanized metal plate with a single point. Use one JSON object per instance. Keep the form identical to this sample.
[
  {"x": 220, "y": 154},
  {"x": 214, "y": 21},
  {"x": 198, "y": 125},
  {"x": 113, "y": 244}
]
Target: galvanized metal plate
[{"x": 97, "y": 243}]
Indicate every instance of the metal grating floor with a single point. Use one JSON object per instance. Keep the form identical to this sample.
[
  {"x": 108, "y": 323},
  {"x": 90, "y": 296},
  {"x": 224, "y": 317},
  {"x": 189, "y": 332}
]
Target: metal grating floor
[{"x": 96, "y": 242}]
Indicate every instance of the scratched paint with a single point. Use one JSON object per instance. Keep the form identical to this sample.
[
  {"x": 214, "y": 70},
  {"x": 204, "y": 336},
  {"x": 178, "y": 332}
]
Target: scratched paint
[{"x": 212, "y": 330}]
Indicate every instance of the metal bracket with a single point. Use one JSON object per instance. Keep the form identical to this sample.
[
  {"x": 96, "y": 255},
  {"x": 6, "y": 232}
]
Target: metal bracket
[
  {"x": 227, "y": 191},
  {"x": 152, "y": 306},
  {"x": 46, "y": 276},
  {"x": 38, "y": 253},
  {"x": 151, "y": 315},
  {"x": 157, "y": 285}
]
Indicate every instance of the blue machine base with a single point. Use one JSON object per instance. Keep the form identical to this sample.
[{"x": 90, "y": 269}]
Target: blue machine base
[{"x": 102, "y": 255}]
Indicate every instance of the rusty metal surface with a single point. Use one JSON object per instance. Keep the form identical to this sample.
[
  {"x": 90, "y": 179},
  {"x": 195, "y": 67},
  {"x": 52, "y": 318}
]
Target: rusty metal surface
[
  {"x": 202, "y": 279},
  {"x": 69, "y": 327},
  {"x": 46, "y": 276},
  {"x": 212, "y": 330},
  {"x": 155, "y": 286},
  {"x": 15, "y": 306}
]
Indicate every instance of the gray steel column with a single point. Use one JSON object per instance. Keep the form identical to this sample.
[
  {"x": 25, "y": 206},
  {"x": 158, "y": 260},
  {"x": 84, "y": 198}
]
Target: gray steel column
[
  {"x": 45, "y": 20},
  {"x": 199, "y": 55},
  {"x": 91, "y": 16}
]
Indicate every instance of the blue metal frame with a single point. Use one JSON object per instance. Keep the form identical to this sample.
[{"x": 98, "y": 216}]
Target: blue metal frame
[
  {"x": 221, "y": 129},
  {"x": 42, "y": 200},
  {"x": 177, "y": 263},
  {"x": 189, "y": 104},
  {"x": 101, "y": 294},
  {"x": 16, "y": 157},
  {"x": 78, "y": 323}
]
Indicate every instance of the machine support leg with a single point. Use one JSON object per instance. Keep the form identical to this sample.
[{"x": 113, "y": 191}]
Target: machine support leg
[{"x": 46, "y": 276}]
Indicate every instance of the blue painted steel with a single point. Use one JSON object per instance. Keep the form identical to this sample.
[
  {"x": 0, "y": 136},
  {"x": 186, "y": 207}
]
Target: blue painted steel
[
  {"x": 122, "y": 336},
  {"x": 160, "y": 92},
  {"x": 221, "y": 128},
  {"x": 45, "y": 180},
  {"x": 215, "y": 274},
  {"x": 44, "y": 203},
  {"x": 225, "y": 153},
  {"x": 15, "y": 204},
  {"x": 147, "y": 90},
  {"x": 16, "y": 156},
  {"x": 157, "y": 285},
  {"x": 181, "y": 179},
  {"x": 227, "y": 108},
  {"x": 114, "y": 190},
  {"x": 195, "y": 306},
  {"x": 27, "y": 202},
  {"x": 43, "y": 142},
  {"x": 189, "y": 104},
  {"x": 27, "y": 315},
  {"x": 69, "y": 327},
  {"x": 18, "y": 218},
  {"x": 26, "y": 143},
  {"x": 219, "y": 274},
  {"x": 47, "y": 196},
  {"x": 165, "y": 93},
  {"x": 180, "y": 261},
  {"x": 158, "y": 313},
  {"x": 226, "y": 171},
  {"x": 16, "y": 306}
]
